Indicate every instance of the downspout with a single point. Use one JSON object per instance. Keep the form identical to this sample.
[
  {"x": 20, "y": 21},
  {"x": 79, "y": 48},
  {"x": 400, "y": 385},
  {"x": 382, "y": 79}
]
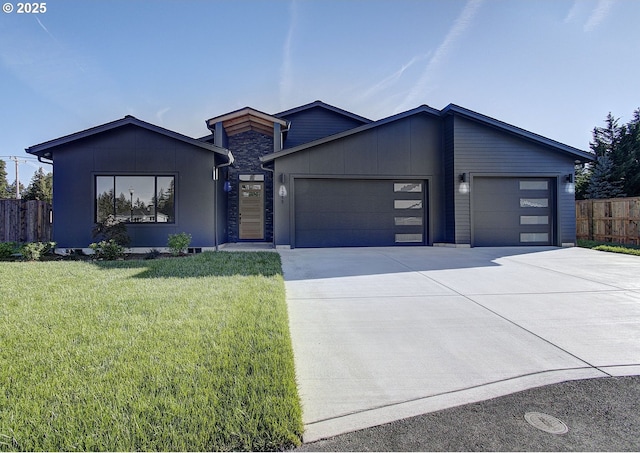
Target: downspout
[{"x": 215, "y": 197}]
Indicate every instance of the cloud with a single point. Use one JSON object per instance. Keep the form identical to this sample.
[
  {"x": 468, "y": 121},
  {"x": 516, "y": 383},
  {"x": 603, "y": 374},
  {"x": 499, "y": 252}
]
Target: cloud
[
  {"x": 286, "y": 71},
  {"x": 599, "y": 14},
  {"x": 160, "y": 114},
  {"x": 391, "y": 79},
  {"x": 573, "y": 12},
  {"x": 421, "y": 88}
]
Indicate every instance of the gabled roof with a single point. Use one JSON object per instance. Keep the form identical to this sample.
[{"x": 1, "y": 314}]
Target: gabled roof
[
  {"x": 422, "y": 109},
  {"x": 323, "y": 105},
  {"x": 453, "y": 109},
  {"x": 247, "y": 119},
  {"x": 46, "y": 149}
]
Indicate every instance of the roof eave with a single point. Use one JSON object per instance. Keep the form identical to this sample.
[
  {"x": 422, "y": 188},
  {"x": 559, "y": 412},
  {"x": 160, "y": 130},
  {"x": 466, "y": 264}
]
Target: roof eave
[{"x": 41, "y": 149}]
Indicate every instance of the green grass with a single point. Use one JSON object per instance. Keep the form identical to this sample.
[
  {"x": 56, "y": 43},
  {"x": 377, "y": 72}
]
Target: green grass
[
  {"x": 609, "y": 247},
  {"x": 173, "y": 354}
]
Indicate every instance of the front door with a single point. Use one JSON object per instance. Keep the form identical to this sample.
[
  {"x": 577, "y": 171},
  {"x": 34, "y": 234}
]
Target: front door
[{"x": 251, "y": 210}]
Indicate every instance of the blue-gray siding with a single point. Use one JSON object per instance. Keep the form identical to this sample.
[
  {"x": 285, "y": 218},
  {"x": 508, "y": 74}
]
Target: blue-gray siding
[
  {"x": 315, "y": 123},
  {"x": 409, "y": 148},
  {"x": 482, "y": 151},
  {"x": 130, "y": 150}
]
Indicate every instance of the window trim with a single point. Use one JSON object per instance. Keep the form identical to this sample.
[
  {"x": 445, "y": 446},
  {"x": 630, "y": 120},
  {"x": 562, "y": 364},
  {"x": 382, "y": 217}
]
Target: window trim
[{"x": 155, "y": 177}]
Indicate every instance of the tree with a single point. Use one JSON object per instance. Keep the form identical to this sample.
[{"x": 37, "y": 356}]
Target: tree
[
  {"x": 616, "y": 171},
  {"x": 40, "y": 187},
  {"x": 4, "y": 184},
  {"x": 602, "y": 183}
]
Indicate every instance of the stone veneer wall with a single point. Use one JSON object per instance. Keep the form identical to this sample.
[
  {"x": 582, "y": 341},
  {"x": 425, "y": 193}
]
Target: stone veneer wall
[{"x": 247, "y": 148}]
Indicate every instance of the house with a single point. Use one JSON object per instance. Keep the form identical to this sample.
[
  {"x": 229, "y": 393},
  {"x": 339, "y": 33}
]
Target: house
[{"x": 318, "y": 176}]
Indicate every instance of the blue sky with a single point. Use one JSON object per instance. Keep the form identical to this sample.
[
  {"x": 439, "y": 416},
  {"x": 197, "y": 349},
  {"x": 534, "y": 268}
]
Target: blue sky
[{"x": 554, "y": 67}]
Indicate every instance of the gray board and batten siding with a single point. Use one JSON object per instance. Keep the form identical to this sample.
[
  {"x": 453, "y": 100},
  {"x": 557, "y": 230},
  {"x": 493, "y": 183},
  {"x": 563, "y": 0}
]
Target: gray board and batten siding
[
  {"x": 459, "y": 155},
  {"x": 398, "y": 151},
  {"x": 134, "y": 148},
  {"x": 317, "y": 120},
  {"x": 485, "y": 152}
]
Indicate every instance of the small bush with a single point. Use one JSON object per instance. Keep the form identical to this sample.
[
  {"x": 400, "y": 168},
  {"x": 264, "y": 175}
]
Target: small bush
[
  {"x": 7, "y": 249},
  {"x": 111, "y": 229},
  {"x": 152, "y": 254},
  {"x": 178, "y": 243},
  {"x": 107, "y": 250},
  {"x": 33, "y": 251}
]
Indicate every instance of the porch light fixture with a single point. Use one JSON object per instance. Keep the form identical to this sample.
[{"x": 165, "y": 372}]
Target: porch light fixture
[
  {"x": 282, "y": 191},
  {"x": 462, "y": 177},
  {"x": 569, "y": 178}
]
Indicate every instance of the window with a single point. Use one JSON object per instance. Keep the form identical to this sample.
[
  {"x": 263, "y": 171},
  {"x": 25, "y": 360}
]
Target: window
[
  {"x": 407, "y": 237},
  {"x": 534, "y": 220},
  {"x": 408, "y": 221},
  {"x": 407, "y": 187},
  {"x": 407, "y": 204},
  {"x": 534, "y": 237},
  {"x": 534, "y": 202},
  {"x": 534, "y": 185},
  {"x": 144, "y": 199}
]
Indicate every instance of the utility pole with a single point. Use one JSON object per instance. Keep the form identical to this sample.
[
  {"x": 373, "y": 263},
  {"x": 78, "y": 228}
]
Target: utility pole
[{"x": 16, "y": 160}]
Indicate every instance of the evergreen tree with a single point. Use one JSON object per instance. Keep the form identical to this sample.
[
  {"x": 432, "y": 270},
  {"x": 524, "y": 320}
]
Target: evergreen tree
[
  {"x": 40, "y": 187},
  {"x": 619, "y": 173},
  {"x": 630, "y": 156},
  {"x": 602, "y": 183},
  {"x": 12, "y": 190},
  {"x": 4, "y": 184}
]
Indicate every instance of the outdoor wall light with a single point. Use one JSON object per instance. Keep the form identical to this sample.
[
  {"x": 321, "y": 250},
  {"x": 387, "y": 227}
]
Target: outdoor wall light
[
  {"x": 462, "y": 177},
  {"x": 569, "y": 178},
  {"x": 227, "y": 186},
  {"x": 282, "y": 191}
]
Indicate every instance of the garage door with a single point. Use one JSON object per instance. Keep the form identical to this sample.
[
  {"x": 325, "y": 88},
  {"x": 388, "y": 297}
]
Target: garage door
[
  {"x": 359, "y": 212},
  {"x": 513, "y": 211}
]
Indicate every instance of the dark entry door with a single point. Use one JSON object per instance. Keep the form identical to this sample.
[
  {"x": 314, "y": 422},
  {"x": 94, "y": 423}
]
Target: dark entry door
[{"x": 251, "y": 207}]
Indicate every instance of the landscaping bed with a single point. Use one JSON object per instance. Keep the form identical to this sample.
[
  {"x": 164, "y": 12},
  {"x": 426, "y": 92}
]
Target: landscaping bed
[{"x": 189, "y": 354}]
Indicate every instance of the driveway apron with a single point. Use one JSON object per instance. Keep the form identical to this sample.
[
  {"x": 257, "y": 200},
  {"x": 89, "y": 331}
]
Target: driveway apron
[{"x": 381, "y": 334}]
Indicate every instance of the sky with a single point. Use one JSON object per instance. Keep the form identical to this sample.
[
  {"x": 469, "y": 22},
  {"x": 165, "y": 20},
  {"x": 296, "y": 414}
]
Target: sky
[{"x": 552, "y": 67}]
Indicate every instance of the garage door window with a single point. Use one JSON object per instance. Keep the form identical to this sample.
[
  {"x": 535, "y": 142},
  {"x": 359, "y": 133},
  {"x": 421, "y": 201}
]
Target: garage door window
[
  {"x": 408, "y": 237},
  {"x": 407, "y": 204},
  {"x": 534, "y": 202},
  {"x": 534, "y": 237},
  {"x": 407, "y": 187},
  {"x": 534, "y": 185},
  {"x": 534, "y": 220},
  {"x": 400, "y": 221}
]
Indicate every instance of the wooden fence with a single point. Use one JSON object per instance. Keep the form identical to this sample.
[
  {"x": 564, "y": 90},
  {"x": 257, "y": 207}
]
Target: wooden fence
[
  {"x": 609, "y": 220},
  {"x": 25, "y": 221}
]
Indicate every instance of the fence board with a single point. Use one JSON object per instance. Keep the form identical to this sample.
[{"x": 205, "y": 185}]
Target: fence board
[
  {"x": 609, "y": 220},
  {"x": 25, "y": 221}
]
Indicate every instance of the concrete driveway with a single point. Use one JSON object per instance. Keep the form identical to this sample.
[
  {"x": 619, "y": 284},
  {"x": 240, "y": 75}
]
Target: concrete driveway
[{"x": 381, "y": 334}]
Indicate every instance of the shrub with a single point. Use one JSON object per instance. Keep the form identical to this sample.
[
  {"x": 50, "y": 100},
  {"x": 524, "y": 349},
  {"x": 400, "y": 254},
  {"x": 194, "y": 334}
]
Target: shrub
[
  {"x": 33, "y": 251},
  {"x": 152, "y": 254},
  {"x": 7, "y": 249},
  {"x": 178, "y": 243},
  {"x": 107, "y": 250},
  {"x": 111, "y": 229}
]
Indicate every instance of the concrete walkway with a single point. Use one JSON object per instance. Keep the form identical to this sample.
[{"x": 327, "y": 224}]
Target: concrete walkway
[{"x": 382, "y": 334}]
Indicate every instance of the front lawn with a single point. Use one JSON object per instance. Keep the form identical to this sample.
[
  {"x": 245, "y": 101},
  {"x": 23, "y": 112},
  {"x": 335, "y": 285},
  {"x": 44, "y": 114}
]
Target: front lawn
[{"x": 171, "y": 354}]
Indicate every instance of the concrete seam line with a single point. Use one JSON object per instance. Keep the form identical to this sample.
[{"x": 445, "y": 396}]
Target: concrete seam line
[{"x": 453, "y": 392}]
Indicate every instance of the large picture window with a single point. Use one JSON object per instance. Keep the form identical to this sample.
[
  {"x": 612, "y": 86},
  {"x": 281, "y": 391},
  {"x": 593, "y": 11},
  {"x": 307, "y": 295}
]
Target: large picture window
[{"x": 147, "y": 199}]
